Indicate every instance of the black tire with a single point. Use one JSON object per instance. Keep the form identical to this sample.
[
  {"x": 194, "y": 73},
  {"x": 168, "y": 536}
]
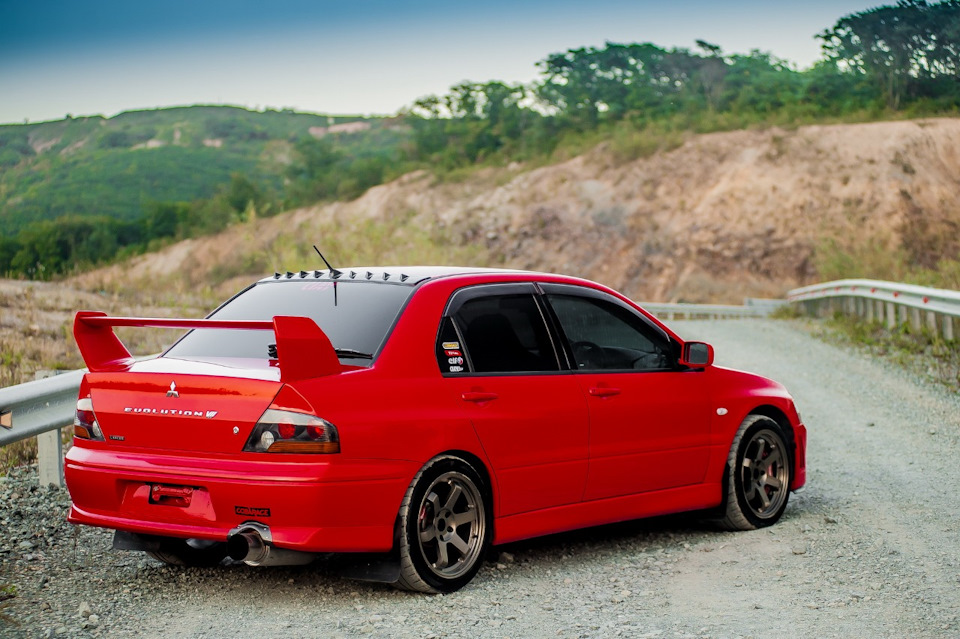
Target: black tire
[
  {"x": 759, "y": 471},
  {"x": 190, "y": 553},
  {"x": 444, "y": 527}
]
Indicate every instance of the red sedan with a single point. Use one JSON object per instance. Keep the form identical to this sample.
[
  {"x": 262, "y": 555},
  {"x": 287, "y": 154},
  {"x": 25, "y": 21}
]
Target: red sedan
[{"x": 424, "y": 413}]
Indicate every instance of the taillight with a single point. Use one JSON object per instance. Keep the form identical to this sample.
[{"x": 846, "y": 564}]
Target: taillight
[
  {"x": 85, "y": 424},
  {"x": 285, "y": 431}
]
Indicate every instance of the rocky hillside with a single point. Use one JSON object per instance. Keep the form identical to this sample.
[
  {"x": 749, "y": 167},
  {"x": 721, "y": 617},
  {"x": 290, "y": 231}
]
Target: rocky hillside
[{"x": 723, "y": 216}]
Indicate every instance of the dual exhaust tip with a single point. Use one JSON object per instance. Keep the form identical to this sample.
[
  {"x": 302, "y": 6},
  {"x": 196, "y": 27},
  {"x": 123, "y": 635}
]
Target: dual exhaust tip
[{"x": 252, "y": 543}]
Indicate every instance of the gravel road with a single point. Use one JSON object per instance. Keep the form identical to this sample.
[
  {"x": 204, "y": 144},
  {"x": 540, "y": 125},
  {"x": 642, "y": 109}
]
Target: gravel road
[{"x": 870, "y": 549}]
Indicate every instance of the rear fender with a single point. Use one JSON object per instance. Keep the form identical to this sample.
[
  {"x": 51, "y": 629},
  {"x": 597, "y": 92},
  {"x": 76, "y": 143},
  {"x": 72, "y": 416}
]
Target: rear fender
[{"x": 290, "y": 399}]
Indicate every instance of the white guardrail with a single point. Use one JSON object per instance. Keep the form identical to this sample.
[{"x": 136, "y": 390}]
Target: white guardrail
[
  {"x": 40, "y": 409},
  {"x": 752, "y": 307},
  {"x": 894, "y": 304}
]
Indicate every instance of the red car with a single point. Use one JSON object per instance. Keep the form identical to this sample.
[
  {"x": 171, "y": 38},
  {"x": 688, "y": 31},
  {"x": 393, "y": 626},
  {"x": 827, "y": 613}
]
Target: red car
[{"x": 424, "y": 413}]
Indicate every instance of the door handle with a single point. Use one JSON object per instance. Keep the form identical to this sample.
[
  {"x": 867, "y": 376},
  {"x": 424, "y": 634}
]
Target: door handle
[
  {"x": 477, "y": 397},
  {"x": 603, "y": 391}
]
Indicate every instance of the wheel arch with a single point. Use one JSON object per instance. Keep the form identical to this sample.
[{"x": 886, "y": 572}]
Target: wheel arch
[
  {"x": 478, "y": 465},
  {"x": 780, "y": 417},
  {"x": 482, "y": 470}
]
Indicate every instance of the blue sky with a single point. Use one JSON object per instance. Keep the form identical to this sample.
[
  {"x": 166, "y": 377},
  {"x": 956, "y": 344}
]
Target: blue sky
[{"x": 353, "y": 57}]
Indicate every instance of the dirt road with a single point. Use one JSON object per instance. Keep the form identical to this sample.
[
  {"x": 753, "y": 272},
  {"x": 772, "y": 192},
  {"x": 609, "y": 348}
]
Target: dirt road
[{"x": 870, "y": 549}]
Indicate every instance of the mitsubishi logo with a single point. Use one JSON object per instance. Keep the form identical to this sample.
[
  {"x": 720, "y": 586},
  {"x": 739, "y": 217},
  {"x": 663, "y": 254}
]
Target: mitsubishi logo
[{"x": 173, "y": 390}]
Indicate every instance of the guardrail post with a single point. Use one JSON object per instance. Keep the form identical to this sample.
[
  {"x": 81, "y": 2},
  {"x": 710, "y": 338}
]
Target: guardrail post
[
  {"x": 49, "y": 449},
  {"x": 947, "y": 327},
  {"x": 891, "y": 315},
  {"x": 50, "y": 458},
  {"x": 932, "y": 322},
  {"x": 915, "y": 319}
]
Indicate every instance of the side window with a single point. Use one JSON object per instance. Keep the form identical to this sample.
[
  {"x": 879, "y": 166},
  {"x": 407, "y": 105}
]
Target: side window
[
  {"x": 504, "y": 334},
  {"x": 606, "y": 336}
]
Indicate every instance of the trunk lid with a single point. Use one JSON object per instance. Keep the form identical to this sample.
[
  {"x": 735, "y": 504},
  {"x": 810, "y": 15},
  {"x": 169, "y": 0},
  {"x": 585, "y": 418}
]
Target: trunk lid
[{"x": 178, "y": 411}]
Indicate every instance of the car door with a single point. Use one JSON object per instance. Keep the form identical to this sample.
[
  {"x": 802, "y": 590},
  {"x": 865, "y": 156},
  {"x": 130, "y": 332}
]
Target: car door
[
  {"x": 498, "y": 357},
  {"x": 649, "y": 417}
]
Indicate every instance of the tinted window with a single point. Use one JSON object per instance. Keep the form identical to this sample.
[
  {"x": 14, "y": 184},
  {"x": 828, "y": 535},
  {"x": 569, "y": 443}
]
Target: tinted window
[
  {"x": 354, "y": 315},
  {"x": 604, "y": 335},
  {"x": 506, "y": 334}
]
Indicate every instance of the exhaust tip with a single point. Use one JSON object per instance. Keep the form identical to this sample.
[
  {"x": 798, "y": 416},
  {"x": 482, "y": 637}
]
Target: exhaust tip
[
  {"x": 247, "y": 546},
  {"x": 252, "y": 543}
]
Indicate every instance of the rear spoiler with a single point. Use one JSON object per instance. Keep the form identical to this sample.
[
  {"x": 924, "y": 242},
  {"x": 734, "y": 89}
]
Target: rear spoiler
[{"x": 303, "y": 350}]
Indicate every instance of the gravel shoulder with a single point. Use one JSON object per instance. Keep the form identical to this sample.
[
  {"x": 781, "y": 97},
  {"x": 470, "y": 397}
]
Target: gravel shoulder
[{"x": 869, "y": 549}]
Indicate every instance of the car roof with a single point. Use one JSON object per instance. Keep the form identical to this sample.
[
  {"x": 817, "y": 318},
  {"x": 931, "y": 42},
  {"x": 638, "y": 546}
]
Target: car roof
[{"x": 409, "y": 275}]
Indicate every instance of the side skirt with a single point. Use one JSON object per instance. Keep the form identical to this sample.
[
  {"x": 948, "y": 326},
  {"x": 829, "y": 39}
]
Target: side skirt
[{"x": 606, "y": 511}]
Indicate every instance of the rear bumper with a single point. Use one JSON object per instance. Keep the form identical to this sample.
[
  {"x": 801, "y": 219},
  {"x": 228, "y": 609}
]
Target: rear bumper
[
  {"x": 317, "y": 506},
  {"x": 799, "y": 457}
]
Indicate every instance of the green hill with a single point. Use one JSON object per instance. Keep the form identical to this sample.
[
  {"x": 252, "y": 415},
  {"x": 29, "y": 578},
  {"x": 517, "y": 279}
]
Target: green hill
[{"x": 117, "y": 167}]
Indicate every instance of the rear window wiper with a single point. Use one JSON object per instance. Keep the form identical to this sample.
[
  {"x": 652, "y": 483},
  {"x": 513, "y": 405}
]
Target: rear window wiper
[
  {"x": 350, "y": 352},
  {"x": 341, "y": 352}
]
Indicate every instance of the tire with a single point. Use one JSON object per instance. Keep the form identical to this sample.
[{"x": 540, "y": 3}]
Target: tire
[
  {"x": 444, "y": 527},
  {"x": 759, "y": 471},
  {"x": 190, "y": 553}
]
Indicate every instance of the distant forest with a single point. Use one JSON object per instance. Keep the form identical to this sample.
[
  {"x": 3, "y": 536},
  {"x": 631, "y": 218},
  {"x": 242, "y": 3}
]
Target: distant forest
[{"x": 901, "y": 60}]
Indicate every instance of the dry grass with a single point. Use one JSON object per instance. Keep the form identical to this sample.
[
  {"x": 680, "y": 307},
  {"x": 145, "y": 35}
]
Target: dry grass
[
  {"x": 876, "y": 259},
  {"x": 920, "y": 351},
  {"x": 36, "y": 334}
]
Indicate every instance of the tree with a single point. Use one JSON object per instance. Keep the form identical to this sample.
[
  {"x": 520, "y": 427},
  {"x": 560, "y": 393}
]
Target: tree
[
  {"x": 241, "y": 193},
  {"x": 164, "y": 219},
  {"x": 906, "y": 49}
]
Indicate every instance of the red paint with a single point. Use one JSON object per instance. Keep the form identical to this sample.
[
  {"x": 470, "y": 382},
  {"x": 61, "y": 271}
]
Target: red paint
[
  {"x": 562, "y": 450},
  {"x": 303, "y": 350}
]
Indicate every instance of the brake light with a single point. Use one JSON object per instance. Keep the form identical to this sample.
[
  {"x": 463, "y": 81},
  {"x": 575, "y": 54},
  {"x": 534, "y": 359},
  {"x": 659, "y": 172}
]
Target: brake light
[
  {"x": 85, "y": 424},
  {"x": 286, "y": 431}
]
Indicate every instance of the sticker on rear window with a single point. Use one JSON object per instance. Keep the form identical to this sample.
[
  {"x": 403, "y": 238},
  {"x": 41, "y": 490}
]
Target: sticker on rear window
[
  {"x": 317, "y": 286},
  {"x": 451, "y": 345}
]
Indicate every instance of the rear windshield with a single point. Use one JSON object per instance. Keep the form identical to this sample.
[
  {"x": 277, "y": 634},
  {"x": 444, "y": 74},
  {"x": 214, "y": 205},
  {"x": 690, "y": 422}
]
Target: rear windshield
[{"x": 354, "y": 315}]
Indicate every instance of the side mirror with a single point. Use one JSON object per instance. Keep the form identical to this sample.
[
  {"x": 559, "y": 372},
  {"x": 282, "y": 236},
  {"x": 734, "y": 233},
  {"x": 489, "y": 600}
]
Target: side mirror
[{"x": 697, "y": 354}]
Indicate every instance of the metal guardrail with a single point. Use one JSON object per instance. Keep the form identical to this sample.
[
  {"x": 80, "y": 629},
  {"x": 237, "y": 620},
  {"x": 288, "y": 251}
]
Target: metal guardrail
[
  {"x": 752, "y": 307},
  {"x": 893, "y": 303},
  {"x": 40, "y": 409},
  {"x": 28, "y": 409}
]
